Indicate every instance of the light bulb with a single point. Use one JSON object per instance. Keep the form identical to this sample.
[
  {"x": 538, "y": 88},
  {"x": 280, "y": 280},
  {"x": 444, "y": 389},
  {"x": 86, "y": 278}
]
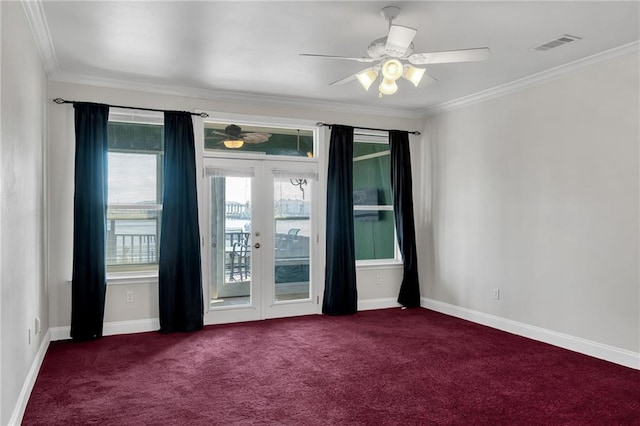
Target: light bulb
[
  {"x": 414, "y": 74},
  {"x": 367, "y": 77},
  {"x": 392, "y": 69},
  {"x": 234, "y": 144},
  {"x": 388, "y": 87}
]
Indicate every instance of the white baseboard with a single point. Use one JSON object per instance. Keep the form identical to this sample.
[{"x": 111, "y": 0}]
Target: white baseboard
[
  {"x": 60, "y": 333},
  {"x": 112, "y": 328},
  {"x": 566, "y": 341},
  {"x": 153, "y": 324},
  {"x": 29, "y": 381},
  {"x": 369, "y": 304}
]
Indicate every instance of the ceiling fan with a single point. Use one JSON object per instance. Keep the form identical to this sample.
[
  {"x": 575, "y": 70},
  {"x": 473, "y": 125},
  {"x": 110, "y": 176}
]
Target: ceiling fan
[
  {"x": 232, "y": 137},
  {"x": 394, "y": 58}
]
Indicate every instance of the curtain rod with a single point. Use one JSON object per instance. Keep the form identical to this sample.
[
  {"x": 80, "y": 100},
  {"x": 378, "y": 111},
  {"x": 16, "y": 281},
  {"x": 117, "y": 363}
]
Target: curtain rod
[
  {"x": 61, "y": 101},
  {"x": 321, "y": 124}
]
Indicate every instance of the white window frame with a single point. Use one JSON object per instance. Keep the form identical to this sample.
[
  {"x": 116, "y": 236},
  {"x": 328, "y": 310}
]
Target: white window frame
[
  {"x": 135, "y": 274},
  {"x": 258, "y": 121},
  {"x": 383, "y": 139}
]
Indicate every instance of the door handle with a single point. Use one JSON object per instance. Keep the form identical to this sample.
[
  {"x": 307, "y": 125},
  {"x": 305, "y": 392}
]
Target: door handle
[{"x": 256, "y": 245}]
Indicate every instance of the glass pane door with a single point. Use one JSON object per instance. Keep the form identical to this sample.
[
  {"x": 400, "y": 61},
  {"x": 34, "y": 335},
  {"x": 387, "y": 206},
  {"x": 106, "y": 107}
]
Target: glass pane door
[
  {"x": 292, "y": 224},
  {"x": 232, "y": 269},
  {"x": 260, "y": 228},
  {"x": 231, "y": 240},
  {"x": 292, "y": 239}
]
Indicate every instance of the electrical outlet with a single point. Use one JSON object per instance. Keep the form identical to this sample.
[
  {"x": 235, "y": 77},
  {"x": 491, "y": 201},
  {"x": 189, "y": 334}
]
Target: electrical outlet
[
  {"x": 378, "y": 280},
  {"x": 37, "y": 327},
  {"x": 129, "y": 297},
  {"x": 496, "y": 293}
]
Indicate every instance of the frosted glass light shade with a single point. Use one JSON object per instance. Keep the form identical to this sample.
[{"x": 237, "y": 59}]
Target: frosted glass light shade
[
  {"x": 414, "y": 74},
  {"x": 392, "y": 69},
  {"x": 367, "y": 77},
  {"x": 388, "y": 87},
  {"x": 234, "y": 144}
]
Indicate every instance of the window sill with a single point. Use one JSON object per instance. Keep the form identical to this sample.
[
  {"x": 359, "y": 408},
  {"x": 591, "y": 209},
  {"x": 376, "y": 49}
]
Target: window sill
[
  {"x": 128, "y": 278},
  {"x": 377, "y": 264}
]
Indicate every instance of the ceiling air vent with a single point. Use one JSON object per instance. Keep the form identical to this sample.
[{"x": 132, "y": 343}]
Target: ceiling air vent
[{"x": 563, "y": 39}]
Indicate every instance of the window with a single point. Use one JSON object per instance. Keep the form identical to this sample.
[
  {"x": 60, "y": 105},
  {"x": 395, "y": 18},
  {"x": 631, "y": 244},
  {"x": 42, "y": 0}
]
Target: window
[
  {"x": 134, "y": 195},
  {"x": 239, "y": 137},
  {"x": 374, "y": 228}
]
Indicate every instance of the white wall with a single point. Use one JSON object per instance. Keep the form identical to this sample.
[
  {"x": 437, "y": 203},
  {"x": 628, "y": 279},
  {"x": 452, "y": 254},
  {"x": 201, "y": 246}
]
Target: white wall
[
  {"x": 22, "y": 285},
  {"x": 537, "y": 193},
  {"x": 61, "y": 160}
]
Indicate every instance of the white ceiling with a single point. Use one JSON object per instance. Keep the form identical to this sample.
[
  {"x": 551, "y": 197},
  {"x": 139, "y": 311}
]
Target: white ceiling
[{"x": 252, "y": 47}]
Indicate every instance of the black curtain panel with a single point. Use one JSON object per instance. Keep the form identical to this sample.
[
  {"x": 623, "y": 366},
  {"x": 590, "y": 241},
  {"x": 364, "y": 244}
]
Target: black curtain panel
[
  {"x": 180, "y": 273},
  {"x": 89, "y": 281},
  {"x": 401, "y": 187},
  {"x": 340, "y": 294}
]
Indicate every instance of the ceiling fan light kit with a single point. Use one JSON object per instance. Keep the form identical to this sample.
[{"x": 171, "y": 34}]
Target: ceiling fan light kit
[
  {"x": 413, "y": 74},
  {"x": 392, "y": 69},
  {"x": 234, "y": 143},
  {"x": 387, "y": 87},
  {"x": 367, "y": 77},
  {"x": 392, "y": 50}
]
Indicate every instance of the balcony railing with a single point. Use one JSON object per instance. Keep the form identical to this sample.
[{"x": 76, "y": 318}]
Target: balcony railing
[
  {"x": 140, "y": 249},
  {"x": 131, "y": 249}
]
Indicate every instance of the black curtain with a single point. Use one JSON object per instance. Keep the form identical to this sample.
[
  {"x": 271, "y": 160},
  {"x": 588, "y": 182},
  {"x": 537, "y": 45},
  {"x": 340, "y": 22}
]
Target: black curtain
[
  {"x": 180, "y": 273},
  {"x": 88, "y": 279},
  {"x": 340, "y": 294},
  {"x": 401, "y": 186}
]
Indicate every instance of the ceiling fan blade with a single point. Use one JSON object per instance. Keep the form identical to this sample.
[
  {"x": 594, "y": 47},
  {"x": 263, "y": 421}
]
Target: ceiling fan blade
[
  {"x": 256, "y": 137},
  {"x": 399, "y": 40},
  {"x": 215, "y": 132},
  {"x": 464, "y": 55},
  {"x": 339, "y": 57},
  {"x": 343, "y": 80}
]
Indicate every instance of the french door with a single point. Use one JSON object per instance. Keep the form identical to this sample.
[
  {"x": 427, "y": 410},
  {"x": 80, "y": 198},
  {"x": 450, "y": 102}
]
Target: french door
[{"x": 260, "y": 239}]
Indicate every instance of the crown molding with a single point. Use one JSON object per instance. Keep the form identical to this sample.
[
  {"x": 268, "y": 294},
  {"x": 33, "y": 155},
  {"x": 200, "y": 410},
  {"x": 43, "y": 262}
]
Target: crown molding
[
  {"x": 37, "y": 21},
  {"x": 240, "y": 97},
  {"x": 34, "y": 10},
  {"x": 308, "y": 103},
  {"x": 534, "y": 79}
]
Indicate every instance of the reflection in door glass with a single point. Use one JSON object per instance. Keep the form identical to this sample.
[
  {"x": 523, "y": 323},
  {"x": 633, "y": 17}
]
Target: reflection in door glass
[
  {"x": 267, "y": 140},
  {"x": 230, "y": 208},
  {"x": 292, "y": 205}
]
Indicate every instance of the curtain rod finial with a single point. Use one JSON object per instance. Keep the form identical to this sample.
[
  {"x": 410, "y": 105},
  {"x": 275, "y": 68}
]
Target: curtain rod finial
[{"x": 59, "y": 101}]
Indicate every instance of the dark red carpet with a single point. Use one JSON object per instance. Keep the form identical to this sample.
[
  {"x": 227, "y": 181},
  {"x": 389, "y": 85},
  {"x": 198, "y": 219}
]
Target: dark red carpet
[{"x": 387, "y": 367}]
